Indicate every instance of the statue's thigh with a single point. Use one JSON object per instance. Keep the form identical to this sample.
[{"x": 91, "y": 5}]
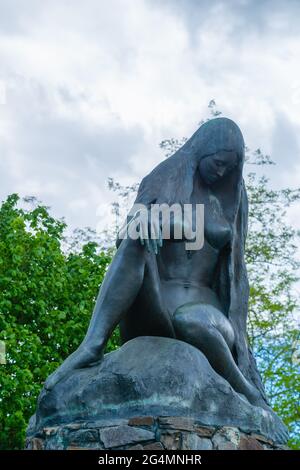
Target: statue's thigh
[{"x": 202, "y": 319}]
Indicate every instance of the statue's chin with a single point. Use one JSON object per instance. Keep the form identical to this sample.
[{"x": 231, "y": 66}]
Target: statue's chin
[{"x": 209, "y": 179}]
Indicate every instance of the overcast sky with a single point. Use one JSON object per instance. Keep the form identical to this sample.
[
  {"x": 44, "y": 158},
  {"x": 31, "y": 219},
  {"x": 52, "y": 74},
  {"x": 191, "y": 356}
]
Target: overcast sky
[{"x": 89, "y": 88}]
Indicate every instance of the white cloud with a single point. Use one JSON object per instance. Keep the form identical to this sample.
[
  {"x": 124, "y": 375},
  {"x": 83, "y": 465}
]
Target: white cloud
[{"x": 92, "y": 87}]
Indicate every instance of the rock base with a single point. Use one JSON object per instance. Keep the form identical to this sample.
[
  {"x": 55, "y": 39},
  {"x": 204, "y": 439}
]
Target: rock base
[
  {"x": 151, "y": 376},
  {"x": 147, "y": 433}
]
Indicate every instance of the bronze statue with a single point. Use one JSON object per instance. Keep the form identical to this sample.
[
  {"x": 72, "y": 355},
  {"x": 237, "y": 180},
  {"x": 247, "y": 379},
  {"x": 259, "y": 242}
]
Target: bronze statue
[
  {"x": 154, "y": 287},
  {"x": 182, "y": 311}
]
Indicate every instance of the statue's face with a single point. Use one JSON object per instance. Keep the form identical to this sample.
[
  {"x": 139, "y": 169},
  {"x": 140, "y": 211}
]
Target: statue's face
[{"x": 216, "y": 166}]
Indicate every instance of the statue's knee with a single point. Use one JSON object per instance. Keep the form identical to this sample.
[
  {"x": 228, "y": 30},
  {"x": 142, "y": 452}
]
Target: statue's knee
[
  {"x": 179, "y": 320},
  {"x": 216, "y": 323},
  {"x": 228, "y": 333},
  {"x": 188, "y": 321}
]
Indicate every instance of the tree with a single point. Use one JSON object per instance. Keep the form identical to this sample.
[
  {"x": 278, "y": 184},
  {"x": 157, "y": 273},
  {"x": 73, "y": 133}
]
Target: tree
[
  {"x": 273, "y": 270},
  {"x": 46, "y": 300}
]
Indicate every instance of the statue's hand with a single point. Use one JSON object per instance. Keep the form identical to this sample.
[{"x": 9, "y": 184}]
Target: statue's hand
[
  {"x": 150, "y": 232},
  {"x": 153, "y": 229}
]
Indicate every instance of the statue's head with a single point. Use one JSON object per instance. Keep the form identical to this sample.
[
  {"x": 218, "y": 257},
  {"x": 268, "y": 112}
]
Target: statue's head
[{"x": 219, "y": 148}]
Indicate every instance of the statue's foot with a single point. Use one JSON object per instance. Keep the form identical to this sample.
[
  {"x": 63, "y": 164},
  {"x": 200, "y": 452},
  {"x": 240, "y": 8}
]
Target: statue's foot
[
  {"x": 280, "y": 430},
  {"x": 79, "y": 359},
  {"x": 256, "y": 399}
]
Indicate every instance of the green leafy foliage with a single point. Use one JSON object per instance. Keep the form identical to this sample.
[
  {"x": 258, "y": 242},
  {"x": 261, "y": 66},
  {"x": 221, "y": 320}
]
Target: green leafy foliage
[
  {"x": 273, "y": 270},
  {"x": 46, "y": 300}
]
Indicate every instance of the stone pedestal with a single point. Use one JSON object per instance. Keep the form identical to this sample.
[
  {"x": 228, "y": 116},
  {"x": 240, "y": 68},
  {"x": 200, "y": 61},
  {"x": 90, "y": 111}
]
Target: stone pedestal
[
  {"x": 128, "y": 398},
  {"x": 147, "y": 433}
]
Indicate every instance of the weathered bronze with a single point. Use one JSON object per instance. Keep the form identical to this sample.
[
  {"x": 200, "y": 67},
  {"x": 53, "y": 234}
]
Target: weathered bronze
[{"x": 158, "y": 288}]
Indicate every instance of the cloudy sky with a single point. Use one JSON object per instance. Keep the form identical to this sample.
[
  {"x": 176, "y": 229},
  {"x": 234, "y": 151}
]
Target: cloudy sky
[{"x": 89, "y": 88}]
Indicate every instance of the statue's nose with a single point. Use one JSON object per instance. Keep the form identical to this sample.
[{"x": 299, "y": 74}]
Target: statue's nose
[{"x": 220, "y": 172}]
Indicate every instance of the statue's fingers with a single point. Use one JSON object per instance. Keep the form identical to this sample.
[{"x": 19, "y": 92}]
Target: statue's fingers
[
  {"x": 141, "y": 236},
  {"x": 151, "y": 241},
  {"x": 155, "y": 230},
  {"x": 160, "y": 238},
  {"x": 158, "y": 235},
  {"x": 148, "y": 238},
  {"x": 142, "y": 230},
  {"x": 149, "y": 230},
  {"x": 147, "y": 245},
  {"x": 154, "y": 245}
]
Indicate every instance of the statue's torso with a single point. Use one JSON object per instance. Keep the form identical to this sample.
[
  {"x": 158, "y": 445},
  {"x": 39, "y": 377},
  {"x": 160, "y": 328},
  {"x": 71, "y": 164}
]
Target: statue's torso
[{"x": 189, "y": 278}]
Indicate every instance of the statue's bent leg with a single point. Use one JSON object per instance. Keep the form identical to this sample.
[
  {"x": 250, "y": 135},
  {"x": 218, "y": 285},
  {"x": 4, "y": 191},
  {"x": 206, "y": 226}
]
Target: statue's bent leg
[
  {"x": 118, "y": 290},
  {"x": 210, "y": 331}
]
